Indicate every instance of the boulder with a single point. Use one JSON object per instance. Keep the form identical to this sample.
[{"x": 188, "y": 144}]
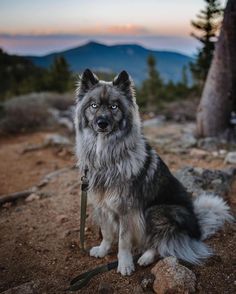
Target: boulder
[{"x": 172, "y": 277}]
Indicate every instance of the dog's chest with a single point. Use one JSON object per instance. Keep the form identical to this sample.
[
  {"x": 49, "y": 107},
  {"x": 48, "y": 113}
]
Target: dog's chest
[{"x": 106, "y": 199}]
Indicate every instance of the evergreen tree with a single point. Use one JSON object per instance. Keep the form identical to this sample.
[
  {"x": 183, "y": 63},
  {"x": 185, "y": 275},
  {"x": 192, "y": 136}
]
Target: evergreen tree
[
  {"x": 59, "y": 75},
  {"x": 153, "y": 85},
  {"x": 184, "y": 80},
  {"x": 207, "y": 23}
]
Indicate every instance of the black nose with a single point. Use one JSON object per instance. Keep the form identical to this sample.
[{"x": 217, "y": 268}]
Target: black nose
[{"x": 102, "y": 123}]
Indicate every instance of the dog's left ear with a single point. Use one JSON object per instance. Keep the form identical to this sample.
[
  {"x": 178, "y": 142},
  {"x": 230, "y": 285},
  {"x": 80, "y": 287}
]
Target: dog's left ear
[{"x": 123, "y": 82}]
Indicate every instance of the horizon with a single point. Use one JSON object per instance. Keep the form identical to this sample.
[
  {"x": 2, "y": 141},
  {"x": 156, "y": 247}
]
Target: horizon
[{"x": 32, "y": 28}]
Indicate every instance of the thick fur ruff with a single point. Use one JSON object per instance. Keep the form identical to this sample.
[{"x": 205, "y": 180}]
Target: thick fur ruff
[{"x": 136, "y": 199}]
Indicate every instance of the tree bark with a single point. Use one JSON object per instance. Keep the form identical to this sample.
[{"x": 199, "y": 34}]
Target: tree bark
[{"x": 219, "y": 93}]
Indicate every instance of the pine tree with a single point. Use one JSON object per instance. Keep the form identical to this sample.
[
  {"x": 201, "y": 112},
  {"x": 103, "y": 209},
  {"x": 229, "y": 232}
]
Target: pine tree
[
  {"x": 208, "y": 23},
  {"x": 59, "y": 75},
  {"x": 153, "y": 84}
]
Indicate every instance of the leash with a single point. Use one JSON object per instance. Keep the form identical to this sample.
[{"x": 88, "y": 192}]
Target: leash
[
  {"x": 83, "y": 207},
  {"x": 82, "y": 280}
]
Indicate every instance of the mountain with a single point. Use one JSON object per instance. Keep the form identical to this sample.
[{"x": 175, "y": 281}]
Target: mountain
[{"x": 131, "y": 57}]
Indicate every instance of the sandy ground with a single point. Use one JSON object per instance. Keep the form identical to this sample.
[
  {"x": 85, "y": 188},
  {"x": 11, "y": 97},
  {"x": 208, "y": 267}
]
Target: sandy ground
[{"x": 39, "y": 239}]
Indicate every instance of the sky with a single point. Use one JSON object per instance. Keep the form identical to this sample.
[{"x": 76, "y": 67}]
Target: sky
[{"x": 31, "y": 27}]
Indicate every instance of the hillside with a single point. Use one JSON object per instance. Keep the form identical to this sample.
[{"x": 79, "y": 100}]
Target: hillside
[{"x": 115, "y": 58}]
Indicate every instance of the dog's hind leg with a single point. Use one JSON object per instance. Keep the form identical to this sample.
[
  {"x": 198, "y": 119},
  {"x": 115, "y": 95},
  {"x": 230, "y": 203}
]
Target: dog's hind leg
[
  {"x": 148, "y": 257},
  {"x": 108, "y": 228}
]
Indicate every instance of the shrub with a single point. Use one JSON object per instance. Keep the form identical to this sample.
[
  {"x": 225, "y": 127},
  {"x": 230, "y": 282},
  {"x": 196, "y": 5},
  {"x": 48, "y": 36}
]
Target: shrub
[
  {"x": 60, "y": 101},
  {"x": 24, "y": 113}
]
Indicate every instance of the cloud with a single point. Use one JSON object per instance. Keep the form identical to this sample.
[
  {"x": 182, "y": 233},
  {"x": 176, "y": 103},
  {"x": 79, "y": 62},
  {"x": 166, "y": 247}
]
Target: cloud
[{"x": 127, "y": 29}]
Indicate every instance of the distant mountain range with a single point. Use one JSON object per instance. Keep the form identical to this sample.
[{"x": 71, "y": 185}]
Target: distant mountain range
[{"x": 131, "y": 57}]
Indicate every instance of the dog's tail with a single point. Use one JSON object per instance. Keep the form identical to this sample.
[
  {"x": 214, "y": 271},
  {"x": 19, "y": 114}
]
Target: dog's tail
[{"x": 211, "y": 211}]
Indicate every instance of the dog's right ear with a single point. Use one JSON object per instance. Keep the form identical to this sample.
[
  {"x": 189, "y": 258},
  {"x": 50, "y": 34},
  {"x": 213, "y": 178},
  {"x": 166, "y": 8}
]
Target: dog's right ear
[{"x": 87, "y": 80}]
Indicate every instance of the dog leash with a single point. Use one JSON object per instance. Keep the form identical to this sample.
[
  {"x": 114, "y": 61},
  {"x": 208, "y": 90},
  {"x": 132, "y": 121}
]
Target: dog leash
[
  {"x": 83, "y": 279},
  {"x": 83, "y": 207}
]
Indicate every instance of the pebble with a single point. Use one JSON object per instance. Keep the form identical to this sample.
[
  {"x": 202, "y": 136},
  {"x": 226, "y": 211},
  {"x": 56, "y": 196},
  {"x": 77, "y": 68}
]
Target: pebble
[
  {"x": 231, "y": 158},
  {"x": 32, "y": 197},
  {"x": 105, "y": 288}
]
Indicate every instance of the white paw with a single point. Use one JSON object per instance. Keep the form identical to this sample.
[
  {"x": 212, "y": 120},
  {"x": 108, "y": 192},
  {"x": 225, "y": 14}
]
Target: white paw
[
  {"x": 98, "y": 251},
  {"x": 125, "y": 268},
  {"x": 147, "y": 258}
]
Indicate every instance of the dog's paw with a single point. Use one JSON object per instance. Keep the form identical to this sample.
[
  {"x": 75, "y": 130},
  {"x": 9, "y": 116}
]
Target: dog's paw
[
  {"x": 125, "y": 269},
  {"x": 98, "y": 251},
  {"x": 147, "y": 258},
  {"x": 125, "y": 264}
]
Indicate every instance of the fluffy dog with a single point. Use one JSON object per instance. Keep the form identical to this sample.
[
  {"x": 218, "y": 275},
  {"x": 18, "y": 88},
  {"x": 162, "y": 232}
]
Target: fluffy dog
[{"x": 135, "y": 197}]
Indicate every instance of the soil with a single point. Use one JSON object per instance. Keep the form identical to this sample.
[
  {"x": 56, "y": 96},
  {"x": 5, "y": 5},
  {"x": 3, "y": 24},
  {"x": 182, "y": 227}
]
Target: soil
[{"x": 40, "y": 239}]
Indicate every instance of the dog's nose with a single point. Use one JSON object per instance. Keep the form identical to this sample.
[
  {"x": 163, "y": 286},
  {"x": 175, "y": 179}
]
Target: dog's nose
[{"x": 102, "y": 123}]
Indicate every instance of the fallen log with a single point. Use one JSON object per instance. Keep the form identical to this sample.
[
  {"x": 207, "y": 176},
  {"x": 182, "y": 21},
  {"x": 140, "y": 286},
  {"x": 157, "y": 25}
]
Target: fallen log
[{"x": 15, "y": 196}]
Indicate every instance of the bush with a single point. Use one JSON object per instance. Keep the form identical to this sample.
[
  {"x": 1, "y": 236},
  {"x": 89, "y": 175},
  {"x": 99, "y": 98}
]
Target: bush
[
  {"x": 60, "y": 101},
  {"x": 24, "y": 113}
]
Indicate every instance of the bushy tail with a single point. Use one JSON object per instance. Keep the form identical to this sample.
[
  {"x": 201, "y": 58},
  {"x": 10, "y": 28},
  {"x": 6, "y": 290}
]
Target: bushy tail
[{"x": 212, "y": 211}]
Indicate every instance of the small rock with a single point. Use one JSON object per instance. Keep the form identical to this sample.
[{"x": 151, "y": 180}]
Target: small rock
[
  {"x": 172, "y": 277},
  {"x": 105, "y": 288},
  {"x": 188, "y": 140},
  {"x": 56, "y": 139},
  {"x": 147, "y": 281},
  {"x": 231, "y": 158},
  {"x": 199, "y": 153},
  {"x": 32, "y": 197},
  {"x": 7, "y": 205},
  {"x": 62, "y": 218},
  {"x": 209, "y": 143},
  {"x": 138, "y": 290},
  {"x": 154, "y": 121},
  {"x": 27, "y": 288}
]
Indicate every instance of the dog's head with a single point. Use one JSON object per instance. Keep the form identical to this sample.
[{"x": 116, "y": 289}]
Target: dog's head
[{"x": 105, "y": 107}]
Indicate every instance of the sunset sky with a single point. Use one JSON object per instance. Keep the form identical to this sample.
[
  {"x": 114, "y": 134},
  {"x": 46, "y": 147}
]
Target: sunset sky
[{"x": 39, "y": 27}]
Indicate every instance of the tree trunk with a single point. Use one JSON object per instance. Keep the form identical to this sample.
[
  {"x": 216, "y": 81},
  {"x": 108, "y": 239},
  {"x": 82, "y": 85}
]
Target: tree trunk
[{"x": 219, "y": 93}]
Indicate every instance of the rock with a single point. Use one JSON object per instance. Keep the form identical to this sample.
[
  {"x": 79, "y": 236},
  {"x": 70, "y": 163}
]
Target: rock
[
  {"x": 32, "y": 197},
  {"x": 231, "y": 158},
  {"x": 62, "y": 218},
  {"x": 209, "y": 143},
  {"x": 172, "y": 277},
  {"x": 105, "y": 288},
  {"x": 188, "y": 140},
  {"x": 56, "y": 139},
  {"x": 158, "y": 120},
  {"x": 27, "y": 288},
  {"x": 138, "y": 290},
  {"x": 198, "y": 153},
  {"x": 147, "y": 282},
  {"x": 198, "y": 180}
]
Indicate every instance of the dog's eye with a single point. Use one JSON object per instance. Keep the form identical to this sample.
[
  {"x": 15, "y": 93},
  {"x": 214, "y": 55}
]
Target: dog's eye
[
  {"x": 94, "y": 105},
  {"x": 114, "y": 106}
]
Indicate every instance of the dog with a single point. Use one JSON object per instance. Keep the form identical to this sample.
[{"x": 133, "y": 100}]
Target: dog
[{"x": 137, "y": 201}]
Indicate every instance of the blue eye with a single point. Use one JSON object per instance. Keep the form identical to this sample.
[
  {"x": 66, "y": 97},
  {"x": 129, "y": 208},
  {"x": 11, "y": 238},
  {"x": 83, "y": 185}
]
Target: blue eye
[
  {"x": 94, "y": 105},
  {"x": 114, "y": 106}
]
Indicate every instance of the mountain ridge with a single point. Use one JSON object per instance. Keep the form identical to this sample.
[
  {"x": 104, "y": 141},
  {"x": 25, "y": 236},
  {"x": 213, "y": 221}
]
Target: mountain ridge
[{"x": 114, "y": 58}]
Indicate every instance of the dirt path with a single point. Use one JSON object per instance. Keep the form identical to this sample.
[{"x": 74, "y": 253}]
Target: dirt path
[{"x": 39, "y": 239}]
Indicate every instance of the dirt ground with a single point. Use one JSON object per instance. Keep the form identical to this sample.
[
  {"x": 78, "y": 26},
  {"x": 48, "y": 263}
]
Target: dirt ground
[{"x": 39, "y": 239}]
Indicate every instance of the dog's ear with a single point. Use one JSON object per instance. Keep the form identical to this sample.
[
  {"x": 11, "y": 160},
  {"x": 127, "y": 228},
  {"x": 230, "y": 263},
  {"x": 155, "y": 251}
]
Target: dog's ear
[
  {"x": 87, "y": 80},
  {"x": 122, "y": 80}
]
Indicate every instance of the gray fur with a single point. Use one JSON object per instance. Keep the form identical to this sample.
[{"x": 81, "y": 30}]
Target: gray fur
[{"x": 136, "y": 198}]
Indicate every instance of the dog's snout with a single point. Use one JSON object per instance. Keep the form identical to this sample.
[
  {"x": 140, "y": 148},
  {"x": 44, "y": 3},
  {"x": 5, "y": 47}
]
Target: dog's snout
[{"x": 102, "y": 123}]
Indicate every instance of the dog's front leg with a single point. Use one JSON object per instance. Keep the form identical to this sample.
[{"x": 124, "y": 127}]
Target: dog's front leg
[
  {"x": 125, "y": 258},
  {"x": 108, "y": 233}
]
